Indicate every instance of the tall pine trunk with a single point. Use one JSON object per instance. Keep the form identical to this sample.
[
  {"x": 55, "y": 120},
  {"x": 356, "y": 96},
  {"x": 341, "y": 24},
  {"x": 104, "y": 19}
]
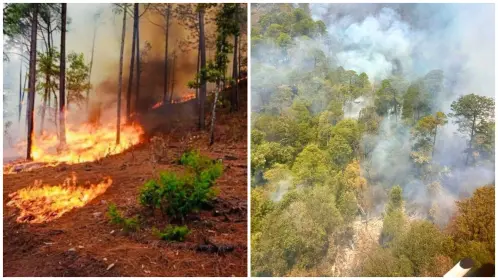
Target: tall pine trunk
[
  {"x": 32, "y": 80},
  {"x": 197, "y": 71},
  {"x": 62, "y": 82},
  {"x": 21, "y": 89},
  {"x": 472, "y": 134},
  {"x": 137, "y": 92},
  {"x": 120, "y": 79},
  {"x": 172, "y": 79},
  {"x": 235, "y": 95},
  {"x": 202, "y": 44},
  {"x": 132, "y": 62},
  {"x": 165, "y": 93},
  {"x": 213, "y": 115},
  {"x": 90, "y": 67},
  {"x": 44, "y": 109}
]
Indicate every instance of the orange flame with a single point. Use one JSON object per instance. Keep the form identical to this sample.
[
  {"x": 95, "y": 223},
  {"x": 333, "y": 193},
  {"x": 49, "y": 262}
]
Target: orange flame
[
  {"x": 46, "y": 203},
  {"x": 85, "y": 143},
  {"x": 158, "y": 104}
]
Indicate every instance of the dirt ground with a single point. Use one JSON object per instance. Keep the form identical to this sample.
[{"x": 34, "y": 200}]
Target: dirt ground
[{"x": 83, "y": 242}]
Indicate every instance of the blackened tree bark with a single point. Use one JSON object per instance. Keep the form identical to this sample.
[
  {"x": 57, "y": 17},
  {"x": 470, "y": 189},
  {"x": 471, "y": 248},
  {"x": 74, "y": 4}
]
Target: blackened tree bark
[
  {"x": 167, "y": 15},
  {"x": 137, "y": 92},
  {"x": 62, "y": 81},
  {"x": 120, "y": 79},
  {"x": 32, "y": 80},
  {"x": 132, "y": 62},
  {"x": 202, "y": 44}
]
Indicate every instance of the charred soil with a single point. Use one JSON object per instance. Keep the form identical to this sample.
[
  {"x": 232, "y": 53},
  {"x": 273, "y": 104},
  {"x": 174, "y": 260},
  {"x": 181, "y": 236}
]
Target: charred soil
[{"x": 83, "y": 243}]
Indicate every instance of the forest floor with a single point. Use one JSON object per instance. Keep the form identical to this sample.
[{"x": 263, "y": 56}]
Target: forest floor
[{"x": 83, "y": 243}]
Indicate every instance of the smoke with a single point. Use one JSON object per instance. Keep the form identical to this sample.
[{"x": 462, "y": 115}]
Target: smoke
[{"x": 407, "y": 40}]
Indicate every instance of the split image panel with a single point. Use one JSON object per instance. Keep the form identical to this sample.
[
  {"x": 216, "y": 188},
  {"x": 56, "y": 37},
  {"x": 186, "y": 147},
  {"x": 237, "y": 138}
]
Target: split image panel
[
  {"x": 121, "y": 156},
  {"x": 372, "y": 139}
]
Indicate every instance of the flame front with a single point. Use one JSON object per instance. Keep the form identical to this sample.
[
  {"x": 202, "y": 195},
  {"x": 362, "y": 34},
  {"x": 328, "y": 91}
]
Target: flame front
[
  {"x": 44, "y": 203},
  {"x": 85, "y": 143}
]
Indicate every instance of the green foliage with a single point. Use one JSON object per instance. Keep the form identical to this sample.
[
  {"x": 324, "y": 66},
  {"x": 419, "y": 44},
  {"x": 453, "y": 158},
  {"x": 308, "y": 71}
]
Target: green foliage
[
  {"x": 471, "y": 111},
  {"x": 267, "y": 154},
  {"x": 116, "y": 218},
  {"x": 310, "y": 167},
  {"x": 475, "y": 219},
  {"x": 392, "y": 226},
  {"x": 77, "y": 81},
  {"x": 383, "y": 263},
  {"x": 172, "y": 233},
  {"x": 340, "y": 152},
  {"x": 179, "y": 195},
  {"x": 421, "y": 243}
]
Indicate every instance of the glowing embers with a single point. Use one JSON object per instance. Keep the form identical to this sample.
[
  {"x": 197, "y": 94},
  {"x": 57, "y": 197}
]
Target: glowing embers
[
  {"x": 44, "y": 203},
  {"x": 85, "y": 143}
]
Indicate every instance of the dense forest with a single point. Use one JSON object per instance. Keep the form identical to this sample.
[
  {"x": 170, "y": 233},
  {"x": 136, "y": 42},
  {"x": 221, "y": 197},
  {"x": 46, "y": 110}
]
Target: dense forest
[{"x": 353, "y": 174}]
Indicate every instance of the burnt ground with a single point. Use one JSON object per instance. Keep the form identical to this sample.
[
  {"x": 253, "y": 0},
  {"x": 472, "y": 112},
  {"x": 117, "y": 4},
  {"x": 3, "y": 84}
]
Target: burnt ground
[{"x": 83, "y": 242}]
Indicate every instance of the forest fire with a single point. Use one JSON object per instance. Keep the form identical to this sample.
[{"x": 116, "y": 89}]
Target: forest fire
[
  {"x": 85, "y": 143},
  {"x": 44, "y": 203}
]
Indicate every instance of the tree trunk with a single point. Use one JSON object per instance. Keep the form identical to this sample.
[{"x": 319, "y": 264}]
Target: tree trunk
[
  {"x": 172, "y": 79},
  {"x": 213, "y": 116},
  {"x": 56, "y": 111},
  {"x": 90, "y": 67},
  {"x": 235, "y": 95},
  {"x": 44, "y": 108},
  {"x": 203, "y": 65},
  {"x": 197, "y": 71},
  {"x": 137, "y": 92},
  {"x": 32, "y": 80},
  {"x": 120, "y": 79},
  {"x": 21, "y": 89},
  {"x": 62, "y": 82},
  {"x": 166, "y": 35},
  {"x": 240, "y": 56},
  {"x": 132, "y": 62},
  {"x": 472, "y": 131}
]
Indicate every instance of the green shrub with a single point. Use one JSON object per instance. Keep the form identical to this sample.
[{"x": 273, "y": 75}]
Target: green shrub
[
  {"x": 177, "y": 195},
  {"x": 116, "y": 218},
  {"x": 172, "y": 233},
  {"x": 195, "y": 160}
]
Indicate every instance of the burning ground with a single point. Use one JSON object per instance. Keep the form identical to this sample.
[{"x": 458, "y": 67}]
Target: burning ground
[{"x": 82, "y": 242}]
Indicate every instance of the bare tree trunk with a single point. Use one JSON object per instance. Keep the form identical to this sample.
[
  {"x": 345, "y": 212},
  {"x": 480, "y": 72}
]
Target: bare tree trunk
[
  {"x": 21, "y": 89},
  {"x": 235, "y": 95},
  {"x": 213, "y": 117},
  {"x": 91, "y": 66},
  {"x": 56, "y": 113},
  {"x": 203, "y": 65},
  {"x": 197, "y": 71},
  {"x": 62, "y": 82},
  {"x": 137, "y": 92},
  {"x": 120, "y": 79},
  {"x": 32, "y": 81},
  {"x": 132, "y": 62},
  {"x": 44, "y": 108},
  {"x": 472, "y": 133},
  {"x": 240, "y": 57},
  {"x": 172, "y": 79},
  {"x": 165, "y": 93}
]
